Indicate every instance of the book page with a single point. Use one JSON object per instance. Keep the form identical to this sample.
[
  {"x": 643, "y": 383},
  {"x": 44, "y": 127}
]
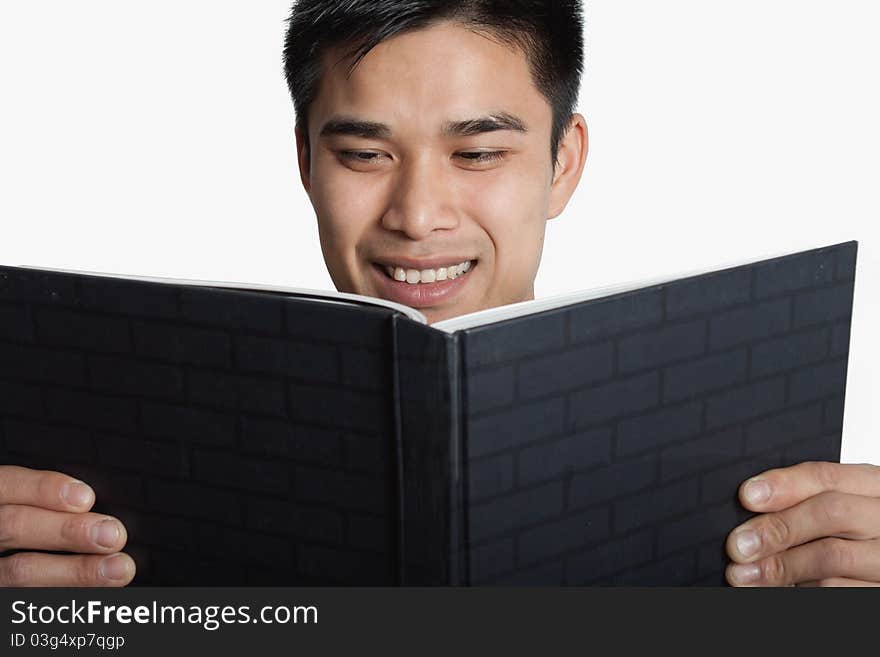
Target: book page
[{"x": 524, "y": 308}]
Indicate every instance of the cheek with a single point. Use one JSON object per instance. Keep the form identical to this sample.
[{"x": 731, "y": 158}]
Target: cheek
[
  {"x": 512, "y": 211},
  {"x": 345, "y": 207}
]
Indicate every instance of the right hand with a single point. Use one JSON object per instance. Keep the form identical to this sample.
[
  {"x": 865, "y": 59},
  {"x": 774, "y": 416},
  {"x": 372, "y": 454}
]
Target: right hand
[{"x": 44, "y": 510}]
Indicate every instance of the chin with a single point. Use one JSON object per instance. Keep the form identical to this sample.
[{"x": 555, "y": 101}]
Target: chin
[{"x": 435, "y": 315}]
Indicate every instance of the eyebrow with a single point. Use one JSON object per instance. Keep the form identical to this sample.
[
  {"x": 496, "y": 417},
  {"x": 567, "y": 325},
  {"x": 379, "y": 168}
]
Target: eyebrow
[
  {"x": 468, "y": 128},
  {"x": 491, "y": 123},
  {"x": 355, "y": 128}
]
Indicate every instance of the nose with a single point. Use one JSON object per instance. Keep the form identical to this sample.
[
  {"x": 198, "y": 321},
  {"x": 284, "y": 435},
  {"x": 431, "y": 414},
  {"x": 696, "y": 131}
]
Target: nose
[{"x": 422, "y": 200}]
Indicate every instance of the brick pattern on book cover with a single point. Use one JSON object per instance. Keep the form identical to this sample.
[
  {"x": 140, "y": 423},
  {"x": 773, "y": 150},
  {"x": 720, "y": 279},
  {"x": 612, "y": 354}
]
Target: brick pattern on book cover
[
  {"x": 605, "y": 441},
  {"x": 243, "y": 438}
]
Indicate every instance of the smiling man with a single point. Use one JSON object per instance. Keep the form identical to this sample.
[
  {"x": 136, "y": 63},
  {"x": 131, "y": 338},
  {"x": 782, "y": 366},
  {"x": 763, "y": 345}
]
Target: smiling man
[
  {"x": 435, "y": 139},
  {"x": 434, "y": 157}
]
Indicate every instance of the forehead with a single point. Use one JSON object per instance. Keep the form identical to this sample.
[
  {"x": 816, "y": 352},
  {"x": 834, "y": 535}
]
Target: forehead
[{"x": 428, "y": 77}]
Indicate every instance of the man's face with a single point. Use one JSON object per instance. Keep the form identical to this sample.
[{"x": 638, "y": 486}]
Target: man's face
[{"x": 430, "y": 172}]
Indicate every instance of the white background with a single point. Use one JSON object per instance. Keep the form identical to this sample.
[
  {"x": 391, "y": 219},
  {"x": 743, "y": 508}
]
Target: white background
[{"x": 157, "y": 139}]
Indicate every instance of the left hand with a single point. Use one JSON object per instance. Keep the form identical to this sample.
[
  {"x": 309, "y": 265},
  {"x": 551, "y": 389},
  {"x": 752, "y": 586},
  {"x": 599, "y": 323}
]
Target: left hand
[{"x": 819, "y": 525}]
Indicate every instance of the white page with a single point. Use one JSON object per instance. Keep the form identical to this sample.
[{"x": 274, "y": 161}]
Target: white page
[{"x": 524, "y": 308}]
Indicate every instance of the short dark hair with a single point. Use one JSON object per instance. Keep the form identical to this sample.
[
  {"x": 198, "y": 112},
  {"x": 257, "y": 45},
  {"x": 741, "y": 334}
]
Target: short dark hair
[{"x": 549, "y": 33}]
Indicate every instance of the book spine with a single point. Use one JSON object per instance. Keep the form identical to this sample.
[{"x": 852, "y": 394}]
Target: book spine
[
  {"x": 429, "y": 456},
  {"x": 458, "y": 553}
]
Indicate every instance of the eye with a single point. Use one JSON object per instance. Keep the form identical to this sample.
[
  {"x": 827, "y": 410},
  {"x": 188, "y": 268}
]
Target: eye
[
  {"x": 482, "y": 157},
  {"x": 362, "y": 159},
  {"x": 363, "y": 156}
]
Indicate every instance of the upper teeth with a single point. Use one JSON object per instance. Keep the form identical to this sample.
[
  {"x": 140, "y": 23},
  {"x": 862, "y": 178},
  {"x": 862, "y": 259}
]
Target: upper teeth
[{"x": 413, "y": 276}]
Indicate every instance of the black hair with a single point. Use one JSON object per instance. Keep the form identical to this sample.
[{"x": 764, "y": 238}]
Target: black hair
[{"x": 549, "y": 33}]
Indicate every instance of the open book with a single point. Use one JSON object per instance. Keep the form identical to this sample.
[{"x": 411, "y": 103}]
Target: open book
[{"x": 251, "y": 434}]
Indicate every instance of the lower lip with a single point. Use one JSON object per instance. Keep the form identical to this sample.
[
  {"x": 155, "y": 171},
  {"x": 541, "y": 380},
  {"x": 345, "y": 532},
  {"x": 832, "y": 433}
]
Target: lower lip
[{"x": 420, "y": 295}]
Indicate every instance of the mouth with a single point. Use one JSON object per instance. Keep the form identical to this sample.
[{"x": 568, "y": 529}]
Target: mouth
[
  {"x": 417, "y": 285},
  {"x": 423, "y": 276}
]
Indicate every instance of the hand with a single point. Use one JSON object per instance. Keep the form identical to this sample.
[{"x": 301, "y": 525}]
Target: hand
[
  {"x": 819, "y": 526},
  {"x": 42, "y": 510}
]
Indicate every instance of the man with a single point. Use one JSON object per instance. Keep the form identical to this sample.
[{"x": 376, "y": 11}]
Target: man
[{"x": 435, "y": 139}]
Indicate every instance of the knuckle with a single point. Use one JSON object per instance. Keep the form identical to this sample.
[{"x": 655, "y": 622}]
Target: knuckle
[
  {"x": 827, "y": 473},
  {"x": 84, "y": 571},
  {"x": 12, "y": 525},
  {"x": 19, "y": 570},
  {"x": 773, "y": 571},
  {"x": 777, "y": 531},
  {"x": 834, "y": 510},
  {"x": 75, "y": 529},
  {"x": 836, "y": 557}
]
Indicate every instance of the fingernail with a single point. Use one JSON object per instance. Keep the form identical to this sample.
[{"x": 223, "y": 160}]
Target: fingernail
[
  {"x": 747, "y": 542},
  {"x": 757, "y": 491},
  {"x": 106, "y": 533},
  {"x": 76, "y": 493},
  {"x": 115, "y": 567},
  {"x": 745, "y": 573}
]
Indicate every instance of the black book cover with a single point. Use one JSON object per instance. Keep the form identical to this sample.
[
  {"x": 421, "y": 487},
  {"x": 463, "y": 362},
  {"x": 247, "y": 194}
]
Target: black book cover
[{"x": 252, "y": 437}]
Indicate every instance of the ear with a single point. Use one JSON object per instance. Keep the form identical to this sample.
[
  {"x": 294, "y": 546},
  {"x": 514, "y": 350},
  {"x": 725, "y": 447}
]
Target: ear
[
  {"x": 302, "y": 158},
  {"x": 571, "y": 156}
]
